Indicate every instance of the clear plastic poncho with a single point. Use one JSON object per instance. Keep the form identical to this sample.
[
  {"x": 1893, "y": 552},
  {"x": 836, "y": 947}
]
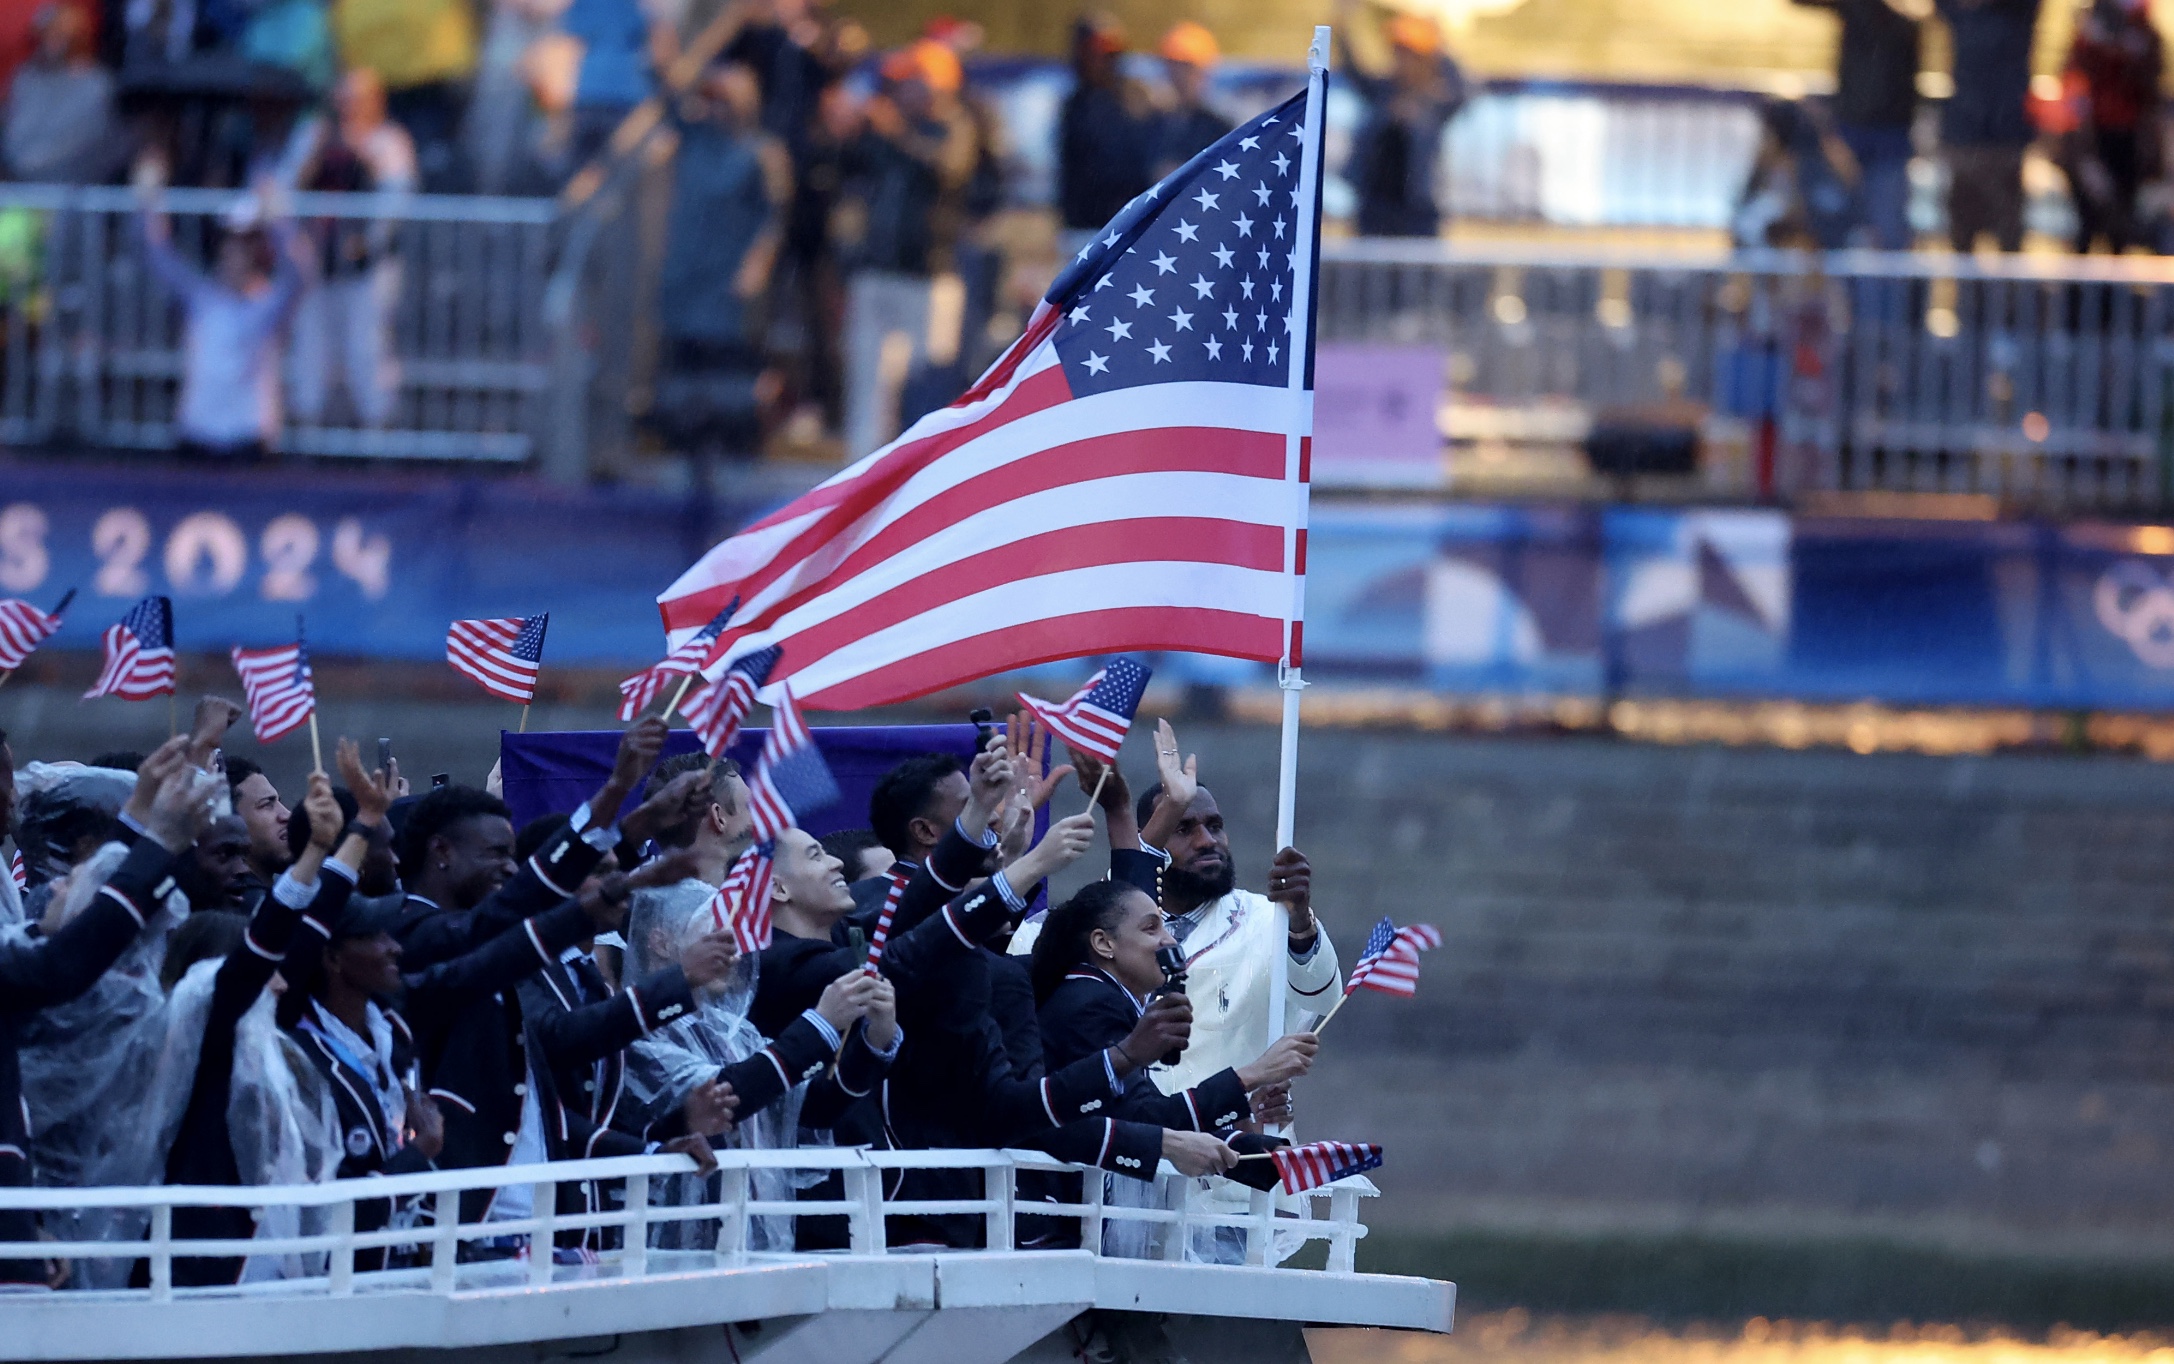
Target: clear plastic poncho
[
  {"x": 280, "y": 1119},
  {"x": 665, "y": 1066}
]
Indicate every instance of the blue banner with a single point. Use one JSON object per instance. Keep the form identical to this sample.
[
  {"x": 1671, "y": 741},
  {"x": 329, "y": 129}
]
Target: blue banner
[
  {"x": 1463, "y": 597},
  {"x": 379, "y": 563}
]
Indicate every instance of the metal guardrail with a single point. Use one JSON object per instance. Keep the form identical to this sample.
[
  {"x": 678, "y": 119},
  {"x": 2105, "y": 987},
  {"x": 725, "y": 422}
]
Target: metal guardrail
[
  {"x": 428, "y": 1252},
  {"x": 90, "y": 340},
  {"x": 2046, "y": 381}
]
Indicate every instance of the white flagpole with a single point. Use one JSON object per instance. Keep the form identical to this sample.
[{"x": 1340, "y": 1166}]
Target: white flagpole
[{"x": 1295, "y": 474}]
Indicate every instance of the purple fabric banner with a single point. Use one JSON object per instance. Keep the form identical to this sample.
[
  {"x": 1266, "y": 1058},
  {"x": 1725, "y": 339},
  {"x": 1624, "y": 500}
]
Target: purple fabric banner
[{"x": 552, "y": 773}]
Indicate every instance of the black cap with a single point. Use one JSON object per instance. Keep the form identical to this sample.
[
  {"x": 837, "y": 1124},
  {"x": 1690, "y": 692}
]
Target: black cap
[{"x": 367, "y": 916}]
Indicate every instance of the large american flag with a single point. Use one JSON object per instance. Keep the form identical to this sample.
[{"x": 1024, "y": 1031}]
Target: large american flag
[
  {"x": 1096, "y": 718},
  {"x": 717, "y": 710},
  {"x": 503, "y": 654},
  {"x": 1390, "y": 960},
  {"x": 790, "y": 774},
  {"x": 277, "y": 684},
  {"x": 139, "y": 652},
  {"x": 685, "y": 660},
  {"x": 1323, "y": 1162},
  {"x": 24, "y": 627},
  {"x": 1119, "y": 480}
]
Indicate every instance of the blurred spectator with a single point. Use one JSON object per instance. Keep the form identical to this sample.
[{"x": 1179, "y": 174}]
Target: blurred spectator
[
  {"x": 624, "y": 43},
  {"x": 1985, "y": 128},
  {"x": 293, "y": 34},
  {"x": 1875, "y": 102},
  {"x": 61, "y": 125},
  {"x": 1102, "y": 132},
  {"x": 731, "y": 183},
  {"x": 794, "y": 59},
  {"x": 1189, "y": 55},
  {"x": 523, "y": 88},
  {"x": 2115, "y": 65},
  {"x": 1804, "y": 189},
  {"x": 341, "y": 327},
  {"x": 908, "y": 169},
  {"x": 424, "y": 53},
  {"x": 1397, "y": 151},
  {"x": 231, "y": 319}
]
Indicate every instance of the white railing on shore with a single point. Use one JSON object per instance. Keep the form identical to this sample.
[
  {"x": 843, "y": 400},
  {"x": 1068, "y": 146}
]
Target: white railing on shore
[
  {"x": 2039, "y": 379},
  {"x": 428, "y": 1254}
]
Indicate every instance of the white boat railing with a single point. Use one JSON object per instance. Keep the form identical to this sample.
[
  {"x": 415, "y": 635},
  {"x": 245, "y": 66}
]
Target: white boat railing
[{"x": 432, "y": 1249}]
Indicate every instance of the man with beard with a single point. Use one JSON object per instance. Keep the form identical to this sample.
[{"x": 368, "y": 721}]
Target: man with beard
[
  {"x": 264, "y": 815},
  {"x": 1231, "y": 937},
  {"x": 217, "y": 873}
]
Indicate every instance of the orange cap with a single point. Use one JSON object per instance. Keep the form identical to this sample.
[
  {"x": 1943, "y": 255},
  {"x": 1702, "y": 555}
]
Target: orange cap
[
  {"x": 1415, "y": 33},
  {"x": 932, "y": 63},
  {"x": 1190, "y": 43}
]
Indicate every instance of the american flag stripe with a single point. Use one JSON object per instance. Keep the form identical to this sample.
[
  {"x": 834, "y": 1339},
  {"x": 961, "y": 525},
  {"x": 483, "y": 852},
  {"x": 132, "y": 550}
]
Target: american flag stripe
[
  {"x": 16, "y": 871},
  {"x": 23, "y": 628},
  {"x": 279, "y": 688},
  {"x": 948, "y": 568},
  {"x": 742, "y": 903},
  {"x": 1323, "y": 1162}
]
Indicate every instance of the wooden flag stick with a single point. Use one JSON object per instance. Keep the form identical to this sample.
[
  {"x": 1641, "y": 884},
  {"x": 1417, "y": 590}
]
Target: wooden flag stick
[
  {"x": 680, "y": 695},
  {"x": 1332, "y": 1012},
  {"x": 173, "y": 726},
  {"x": 1095, "y": 800},
  {"x": 524, "y": 720},
  {"x": 316, "y": 749},
  {"x": 1257, "y": 1155},
  {"x": 5, "y": 676}
]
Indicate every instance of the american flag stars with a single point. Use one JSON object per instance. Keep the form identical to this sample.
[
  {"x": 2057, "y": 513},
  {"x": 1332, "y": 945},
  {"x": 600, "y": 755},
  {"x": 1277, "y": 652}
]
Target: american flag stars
[{"x": 1203, "y": 268}]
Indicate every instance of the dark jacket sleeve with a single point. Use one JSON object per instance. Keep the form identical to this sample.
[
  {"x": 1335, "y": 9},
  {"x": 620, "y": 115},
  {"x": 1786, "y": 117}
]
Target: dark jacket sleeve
[
  {"x": 48, "y": 971},
  {"x": 1138, "y": 868},
  {"x": 551, "y": 874},
  {"x": 1082, "y": 1017},
  {"x": 434, "y": 997},
  {"x": 1125, "y": 1148},
  {"x": 854, "y": 1078},
  {"x": 955, "y": 862},
  {"x": 573, "y": 1037}
]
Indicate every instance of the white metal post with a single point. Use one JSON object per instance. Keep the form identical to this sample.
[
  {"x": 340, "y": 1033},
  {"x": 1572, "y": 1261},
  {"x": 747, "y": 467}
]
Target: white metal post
[
  {"x": 999, "y": 1187},
  {"x": 162, "y": 1252},
  {"x": 541, "y": 1242},
  {"x": 635, "y": 1255},
  {"x": 341, "y": 1272},
  {"x": 1297, "y": 484},
  {"x": 445, "y": 1242}
]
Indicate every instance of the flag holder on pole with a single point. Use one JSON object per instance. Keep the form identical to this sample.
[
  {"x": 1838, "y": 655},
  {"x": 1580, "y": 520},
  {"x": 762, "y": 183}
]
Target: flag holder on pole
[
  {"x": 1297, "y": 446},
  {"x": 679, "y": 695},
  {"x": 316, "y": 750}
]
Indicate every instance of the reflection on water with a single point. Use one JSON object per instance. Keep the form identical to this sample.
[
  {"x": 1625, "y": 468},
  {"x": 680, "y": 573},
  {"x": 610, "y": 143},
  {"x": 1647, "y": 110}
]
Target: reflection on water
[{"x": 1492, "y": 1337}]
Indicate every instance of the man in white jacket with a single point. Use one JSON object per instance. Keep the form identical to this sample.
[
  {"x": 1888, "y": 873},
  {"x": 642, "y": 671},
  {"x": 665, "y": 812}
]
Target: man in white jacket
[{"x": 1257, "y": 966}]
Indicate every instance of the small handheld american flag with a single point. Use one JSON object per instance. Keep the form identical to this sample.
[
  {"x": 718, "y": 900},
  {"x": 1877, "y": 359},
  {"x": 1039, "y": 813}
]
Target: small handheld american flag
[
  {"x": 16, "y": 871},
  {"x": 1390, "y": 961},
  {"x": 277, "y": 684},
  {"x": 502, "y": 655},
  {"x": 717, "y": 711},
  {"x": 638, "y": 691},
  {"x": 1323, "y": 1162},
  {"x": 790, "y": 776},
  {"x": 742, "y": 903},
  {"x": 139, "y": 654},
  {"x": 24, "y": 627},
  {"x": 1097, "y": 717}
]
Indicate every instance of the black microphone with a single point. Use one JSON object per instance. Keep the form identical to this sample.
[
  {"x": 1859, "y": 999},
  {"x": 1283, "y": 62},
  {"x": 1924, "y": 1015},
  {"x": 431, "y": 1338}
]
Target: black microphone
[{"x": 1172, "y": 961}]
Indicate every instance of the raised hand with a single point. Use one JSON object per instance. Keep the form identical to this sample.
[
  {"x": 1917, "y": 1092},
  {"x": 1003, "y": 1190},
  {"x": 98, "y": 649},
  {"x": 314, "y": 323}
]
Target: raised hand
[
  {"x": 1060, "y": 848},
  {"x": 1287, "y": 1058},
  {"x": 988, "y": 786},
  {"x": 604, "y": 899},
  {"x": 709, "y": 958},
  {"x": 1028, "y": 739},
  {"x": 638, "y": 750},
  {"x": 183, "y": 806},
  {"x": 685, "y": 797},
  {"x": 1180, "y": 783},
  {"x": 1272, "y": 1104},
  {"x": 215, "y": 715},
  {"x": 323, "y": 810},
  {"x": 153, "y": 773},
  {"x": 374, "y": 792}
]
